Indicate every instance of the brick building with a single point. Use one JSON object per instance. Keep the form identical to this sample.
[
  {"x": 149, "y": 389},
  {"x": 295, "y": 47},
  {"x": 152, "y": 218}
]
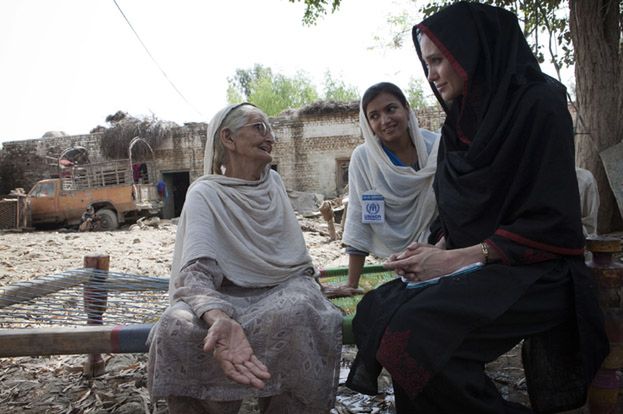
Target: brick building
[{"x": 312, "y": 153}]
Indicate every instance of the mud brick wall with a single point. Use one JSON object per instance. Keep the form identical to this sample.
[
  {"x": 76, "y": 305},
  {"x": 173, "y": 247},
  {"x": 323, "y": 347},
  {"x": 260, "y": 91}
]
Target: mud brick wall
[
  {"x": 23, "y": 163},
  {"x": 430, "y": 118},
  {"x": 183, "y": 152},
  {"x": 307, "y": 154},
  {"x": 309, "y": 147},
  {"x": 26, "y": 162}
]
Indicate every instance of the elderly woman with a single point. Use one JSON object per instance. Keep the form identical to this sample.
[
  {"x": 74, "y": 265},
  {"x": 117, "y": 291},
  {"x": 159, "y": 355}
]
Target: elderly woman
[{"x": 247, "y": 317}]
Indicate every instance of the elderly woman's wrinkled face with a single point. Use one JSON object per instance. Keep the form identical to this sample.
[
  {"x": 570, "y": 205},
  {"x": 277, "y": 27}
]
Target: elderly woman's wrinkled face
[
  {"x": 440, "y": 72},
  {"x": 254, "y": 141}
]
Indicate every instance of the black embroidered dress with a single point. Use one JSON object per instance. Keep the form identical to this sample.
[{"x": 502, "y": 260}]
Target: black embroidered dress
[{"x": 505, "y": 176}]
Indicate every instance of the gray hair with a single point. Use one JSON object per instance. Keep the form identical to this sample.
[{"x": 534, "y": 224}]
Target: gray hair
[{"x": 236, "y": 119}]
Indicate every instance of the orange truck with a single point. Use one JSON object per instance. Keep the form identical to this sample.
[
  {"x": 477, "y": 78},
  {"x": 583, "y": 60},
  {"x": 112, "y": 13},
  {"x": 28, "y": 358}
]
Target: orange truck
[{"x": 111, "y": 188}]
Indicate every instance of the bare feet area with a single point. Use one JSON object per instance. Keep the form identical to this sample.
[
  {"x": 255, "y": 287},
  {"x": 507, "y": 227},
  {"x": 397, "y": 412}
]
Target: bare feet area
[{"x": 56, "y": 384}]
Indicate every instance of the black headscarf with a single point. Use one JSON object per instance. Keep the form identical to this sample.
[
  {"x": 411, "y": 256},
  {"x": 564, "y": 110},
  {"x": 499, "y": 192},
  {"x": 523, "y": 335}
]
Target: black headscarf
[
  {"x": 505, "y": 174},
  {"x": 506, "y": 161}
]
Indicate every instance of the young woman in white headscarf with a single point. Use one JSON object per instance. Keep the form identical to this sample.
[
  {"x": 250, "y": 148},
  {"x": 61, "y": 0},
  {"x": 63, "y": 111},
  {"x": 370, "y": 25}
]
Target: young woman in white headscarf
[
  {"x": 247, "y": 318},
  {"x": 391, "y": 202}
]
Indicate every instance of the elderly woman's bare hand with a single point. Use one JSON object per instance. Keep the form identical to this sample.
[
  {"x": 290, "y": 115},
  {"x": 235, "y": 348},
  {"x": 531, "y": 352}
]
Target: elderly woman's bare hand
[
  {"x": 229, "y": 344},
  {"x": 421, "y": 262}
]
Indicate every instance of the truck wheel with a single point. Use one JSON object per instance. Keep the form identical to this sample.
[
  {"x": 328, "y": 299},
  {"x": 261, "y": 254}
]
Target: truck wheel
[{"x": 108, "y": 219}]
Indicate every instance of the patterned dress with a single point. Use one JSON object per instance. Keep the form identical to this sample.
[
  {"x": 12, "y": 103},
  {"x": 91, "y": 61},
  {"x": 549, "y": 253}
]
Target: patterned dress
[{"x": 292, "y": 328}]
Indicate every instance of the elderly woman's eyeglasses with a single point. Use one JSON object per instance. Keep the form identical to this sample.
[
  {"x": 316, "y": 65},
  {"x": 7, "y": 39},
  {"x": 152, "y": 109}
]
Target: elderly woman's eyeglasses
[{"x": 261, "y": 128}]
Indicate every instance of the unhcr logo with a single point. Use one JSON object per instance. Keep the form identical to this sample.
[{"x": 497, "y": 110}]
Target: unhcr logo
[{"x": 373, "y": 208}]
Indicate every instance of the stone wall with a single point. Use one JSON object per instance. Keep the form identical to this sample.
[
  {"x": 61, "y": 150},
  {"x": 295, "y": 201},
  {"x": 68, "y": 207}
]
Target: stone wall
[
  {"x": 36, "y": 159},
  {"x": 26, "y": 162},
  {"x": 431, "y": 118},
  {"x": 182, "y": 153},
  {"x": 308, "y": 153},
  {"x": 309, "y": 147}
]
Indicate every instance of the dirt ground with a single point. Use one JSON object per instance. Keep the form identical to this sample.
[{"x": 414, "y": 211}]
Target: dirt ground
[{"x": 56, "y": 384}]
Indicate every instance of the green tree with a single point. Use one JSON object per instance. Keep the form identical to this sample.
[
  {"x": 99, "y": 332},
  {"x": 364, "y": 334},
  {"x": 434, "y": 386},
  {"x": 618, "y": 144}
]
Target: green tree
[
  {"x": 589, "y": 33},
  {"x": 337, "y": 90},
  {"x": 274, "y": 93},
  {"x": 415, "y": 94},
  {"x": 243, "y": 79},
  {"x": 233, "y": 94},
  {"x": 316, "y": 8}
]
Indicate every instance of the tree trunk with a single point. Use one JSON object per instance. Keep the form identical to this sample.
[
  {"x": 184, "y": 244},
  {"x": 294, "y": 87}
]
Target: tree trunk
[{"x": 594, "y": 26}]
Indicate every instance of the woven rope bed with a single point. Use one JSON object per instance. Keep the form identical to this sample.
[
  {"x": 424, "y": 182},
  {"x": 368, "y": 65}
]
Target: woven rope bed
[{"x": 93, "y": 310}]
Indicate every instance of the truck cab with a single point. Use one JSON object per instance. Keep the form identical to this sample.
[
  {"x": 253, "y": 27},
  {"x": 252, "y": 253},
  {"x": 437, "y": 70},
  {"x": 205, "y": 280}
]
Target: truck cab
[{"x": 44, "y": 203}]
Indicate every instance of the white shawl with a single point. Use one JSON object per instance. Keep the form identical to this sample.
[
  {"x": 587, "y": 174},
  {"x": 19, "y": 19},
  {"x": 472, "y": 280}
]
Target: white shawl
[
  {"x": 589, "y": 199},
  {"x": 410, "y": 205},
  {"x": 248, "y": 227}
]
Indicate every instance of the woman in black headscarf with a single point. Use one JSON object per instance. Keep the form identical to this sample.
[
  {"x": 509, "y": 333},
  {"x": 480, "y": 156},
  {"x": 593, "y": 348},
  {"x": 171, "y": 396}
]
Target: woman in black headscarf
[{"x": 508, "y": 199}]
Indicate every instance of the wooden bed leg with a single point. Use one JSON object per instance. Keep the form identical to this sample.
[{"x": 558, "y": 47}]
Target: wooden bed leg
[{"x": 95, "y": 301}]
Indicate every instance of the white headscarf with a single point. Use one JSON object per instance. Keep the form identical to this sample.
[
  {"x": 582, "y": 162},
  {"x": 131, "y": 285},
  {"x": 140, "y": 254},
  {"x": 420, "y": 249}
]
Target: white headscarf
[
  {"x": 410, "y": 205},
  {"x": 248, "y": 227}
]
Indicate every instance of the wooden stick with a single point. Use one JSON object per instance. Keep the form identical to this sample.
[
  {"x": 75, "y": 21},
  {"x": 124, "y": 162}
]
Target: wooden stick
[
  {"x": 25, "y": 291},
  {"x": 92, "y": 339},
  {"x": 78, "y": 340},
  {"x": 95, "y": 301}
]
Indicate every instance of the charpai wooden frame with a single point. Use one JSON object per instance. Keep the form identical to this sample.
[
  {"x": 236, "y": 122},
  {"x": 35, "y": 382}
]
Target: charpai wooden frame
[{"x": 95, "y": 337}]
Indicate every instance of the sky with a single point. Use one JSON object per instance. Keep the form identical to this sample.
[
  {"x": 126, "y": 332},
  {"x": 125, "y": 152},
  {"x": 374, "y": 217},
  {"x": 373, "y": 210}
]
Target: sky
[{"x": 67, "y": 64}]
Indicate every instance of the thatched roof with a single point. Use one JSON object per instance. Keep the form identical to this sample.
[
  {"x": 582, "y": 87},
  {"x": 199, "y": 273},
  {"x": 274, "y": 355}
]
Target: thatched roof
[
  {"x": 54, "y": 134},
  {"x": 197, "y": 125},
  {"x": 329, "y": 107},
  {"x": 114, "y": 144}
]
